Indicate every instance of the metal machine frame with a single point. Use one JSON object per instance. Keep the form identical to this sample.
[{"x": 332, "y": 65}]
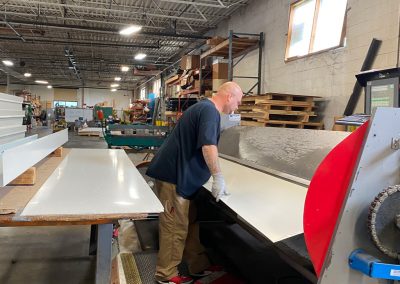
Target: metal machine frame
[{"x": 377, "y": 168}]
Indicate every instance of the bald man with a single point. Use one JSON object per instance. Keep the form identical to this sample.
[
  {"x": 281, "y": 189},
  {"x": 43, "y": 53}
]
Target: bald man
[{"x": 182, "y": 165}]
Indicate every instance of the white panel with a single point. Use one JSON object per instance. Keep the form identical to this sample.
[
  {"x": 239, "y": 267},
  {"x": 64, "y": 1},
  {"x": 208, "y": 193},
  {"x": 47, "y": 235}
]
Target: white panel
[
  {"x": 10, "y": 102},
  {"x": 12, "y": 137},
  {"x": 94, "y": 181},
  {"x": 271, "y": 205},
  {"x": 17, "y": 142},
  {"x": 16, "y": 160},
  {"x": 4, "y": 113},
  {"x": 17, "y": 121},
  {"x": 11, "y": 129}
]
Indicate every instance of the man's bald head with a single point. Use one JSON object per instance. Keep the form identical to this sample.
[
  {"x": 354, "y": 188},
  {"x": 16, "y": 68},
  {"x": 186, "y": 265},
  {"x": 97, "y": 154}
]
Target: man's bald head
[
  {"x": 230, "y": 88},
  {"x": 228, "y": 97}
]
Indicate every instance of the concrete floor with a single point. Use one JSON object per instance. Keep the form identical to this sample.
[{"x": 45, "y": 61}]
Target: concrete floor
[{"x": 40, "y": 255}]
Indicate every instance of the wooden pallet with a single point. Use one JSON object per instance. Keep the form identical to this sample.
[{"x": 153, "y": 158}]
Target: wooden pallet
[
  {"x": 89, "y": 134},
  {"x": 269, "y": 107},
  {"x": 314, "y": 125},
  {"x": 267, "y": 116}
]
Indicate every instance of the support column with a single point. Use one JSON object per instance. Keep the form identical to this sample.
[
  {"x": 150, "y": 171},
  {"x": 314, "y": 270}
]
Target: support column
[{"x": 104, "y": 249}]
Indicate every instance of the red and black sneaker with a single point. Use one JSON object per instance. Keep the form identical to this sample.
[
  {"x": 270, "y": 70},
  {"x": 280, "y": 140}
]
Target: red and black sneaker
[
  {"x": 177, "y": 280},
  {"x": 209, "y": 270}
]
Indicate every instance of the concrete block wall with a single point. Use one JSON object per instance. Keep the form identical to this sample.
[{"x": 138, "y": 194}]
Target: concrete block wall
[{"x": 329, "y": 74}]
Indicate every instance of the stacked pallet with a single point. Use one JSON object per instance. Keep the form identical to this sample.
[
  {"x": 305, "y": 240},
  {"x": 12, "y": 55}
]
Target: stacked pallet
[{"x": 279, "y": 110}]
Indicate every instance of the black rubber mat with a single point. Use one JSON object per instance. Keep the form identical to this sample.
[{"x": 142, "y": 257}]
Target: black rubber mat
[{"x": 146, "y": 264}]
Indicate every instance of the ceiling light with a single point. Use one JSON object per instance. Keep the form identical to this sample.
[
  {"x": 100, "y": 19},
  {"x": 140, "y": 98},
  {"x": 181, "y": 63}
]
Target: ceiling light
[
  {"x": 27, "y": 74},
  {"x": 41, "y": 82},
  {"x": 113, "y": 90},
  {"x": 124, "y": 68},
  {"x": 8, "y": 63},
  {"x": 130, "y": 30},
  {"x": 49, "y": 86},
  {"x": 114, "y": 85},
  {"x": 140, "y": 56},
  {"x": 117, "y": 78}
]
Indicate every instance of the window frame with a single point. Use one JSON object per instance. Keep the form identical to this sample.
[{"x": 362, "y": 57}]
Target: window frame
[{"x": 313, "y": 30}]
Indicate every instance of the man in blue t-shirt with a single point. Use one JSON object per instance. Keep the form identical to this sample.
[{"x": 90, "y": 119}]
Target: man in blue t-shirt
[{"x": 185, "y": 161}]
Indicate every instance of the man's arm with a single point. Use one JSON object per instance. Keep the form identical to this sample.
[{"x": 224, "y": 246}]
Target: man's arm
[{"x": 210, "y": 154}]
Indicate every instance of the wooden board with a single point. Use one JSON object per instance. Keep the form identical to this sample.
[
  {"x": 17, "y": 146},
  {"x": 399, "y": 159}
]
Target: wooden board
[
  {"x": 27, "y": 178},
  {"x": 239, "y": 45},
  {"x": 14, "y": 198},
  {"x": 57, "y": 153}
]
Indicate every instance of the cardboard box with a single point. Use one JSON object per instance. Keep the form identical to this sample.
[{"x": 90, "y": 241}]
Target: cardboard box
[
  {"x": 190, "y": 62},
  {"x": 206, "y": 83},
  {"x": 216, "y": 83},
  {"x": 220, "y": 71}
]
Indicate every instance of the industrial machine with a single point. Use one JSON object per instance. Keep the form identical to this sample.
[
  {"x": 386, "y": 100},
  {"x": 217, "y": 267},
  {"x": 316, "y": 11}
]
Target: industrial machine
[
  {"x": 381, "y": 88},
  {"x": 351, "y": 213},
  {"x": 137, "y": 136}
]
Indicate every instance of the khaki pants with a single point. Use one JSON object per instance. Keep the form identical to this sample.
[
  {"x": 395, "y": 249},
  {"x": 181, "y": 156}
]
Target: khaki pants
[{"x": 178, "y": 234}]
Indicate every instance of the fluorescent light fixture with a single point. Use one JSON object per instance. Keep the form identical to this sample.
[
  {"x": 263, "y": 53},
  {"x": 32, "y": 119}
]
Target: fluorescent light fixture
[
  {"x": 27, "y": 74},
  {"x": 130, "y": 30},
  {"x": 8, "y": 63},
  {"x": 41, "y": 82},
  {"x": 49, "y": 86},
  {"x": 124, "y": 68},
  {"x": 113, "y": 90},
  {"x": 114, "y": 85},
  {"x": 117, "y": 78},
  {"x": 140, "y": 56}
]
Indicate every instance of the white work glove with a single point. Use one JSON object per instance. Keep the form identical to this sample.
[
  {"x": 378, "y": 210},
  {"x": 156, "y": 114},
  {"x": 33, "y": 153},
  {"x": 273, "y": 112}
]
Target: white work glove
[{"x": 218, "y": 188}]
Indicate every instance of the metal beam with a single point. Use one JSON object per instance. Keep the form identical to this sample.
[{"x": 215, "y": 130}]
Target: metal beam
[
  {"x": 82, "y": 43},
  {"x": 102, "y": 30},
  {"x": 126, "y": 9},
  {"x": 196, "y": 3}
]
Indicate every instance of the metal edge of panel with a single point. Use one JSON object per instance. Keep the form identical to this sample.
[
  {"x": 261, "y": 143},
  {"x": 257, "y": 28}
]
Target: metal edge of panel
[
  {"x": 10, "y": 98},
  {"x": 282, "y": 175},
  {"x": 17, "y": 142},
  {"x": 16, "y": 160}
]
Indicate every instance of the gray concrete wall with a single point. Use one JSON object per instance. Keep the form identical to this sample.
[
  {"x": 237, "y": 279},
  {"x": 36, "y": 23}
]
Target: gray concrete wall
[{"x": 329, "y": 74}]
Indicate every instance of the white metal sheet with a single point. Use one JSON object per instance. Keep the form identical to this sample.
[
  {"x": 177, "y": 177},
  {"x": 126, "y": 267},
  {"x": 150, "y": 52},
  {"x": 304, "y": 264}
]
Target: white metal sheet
[
  {"x": 94, "y": 181},
  {"x": 12, "y": 129},
  {"x": 17, "y": 142},
  {"x": 16, "y": 160},
  {"x": 11, "y": 138},
  {"x": 4, "y": 113},
  {"x": 271, "y": 205},
  {"x": 7, "y": 121},
  {"x": 10, "y": 102}
]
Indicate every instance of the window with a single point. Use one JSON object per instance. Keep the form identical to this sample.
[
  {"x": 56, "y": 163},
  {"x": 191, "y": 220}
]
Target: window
[
  {"x": 157, "y": 87},
  {"x": 315, "y": 25},
  {"x": 65, "y": 104},
  {"x": 143, "y": 93}
]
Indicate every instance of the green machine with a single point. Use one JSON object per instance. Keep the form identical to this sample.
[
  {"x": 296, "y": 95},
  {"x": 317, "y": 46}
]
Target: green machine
[
  {"x": 136, "y": 136},
  {"x": 107, "y": 111}
]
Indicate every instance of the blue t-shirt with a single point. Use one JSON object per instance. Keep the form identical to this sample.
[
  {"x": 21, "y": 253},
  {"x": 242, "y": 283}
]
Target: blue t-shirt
[{"x": 180, "y": 159}]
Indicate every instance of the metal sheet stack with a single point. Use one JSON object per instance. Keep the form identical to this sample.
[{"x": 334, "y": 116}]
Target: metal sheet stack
[{"x": 11, "y": 117}]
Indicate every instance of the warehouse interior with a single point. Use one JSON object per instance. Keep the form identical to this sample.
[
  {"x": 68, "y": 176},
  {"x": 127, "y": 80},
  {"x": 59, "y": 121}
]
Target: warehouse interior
[{"x": 91, "y": 91}]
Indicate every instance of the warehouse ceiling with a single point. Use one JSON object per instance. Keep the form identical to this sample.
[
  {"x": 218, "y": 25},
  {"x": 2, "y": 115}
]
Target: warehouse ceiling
[{"x": 75, "y": 43}]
